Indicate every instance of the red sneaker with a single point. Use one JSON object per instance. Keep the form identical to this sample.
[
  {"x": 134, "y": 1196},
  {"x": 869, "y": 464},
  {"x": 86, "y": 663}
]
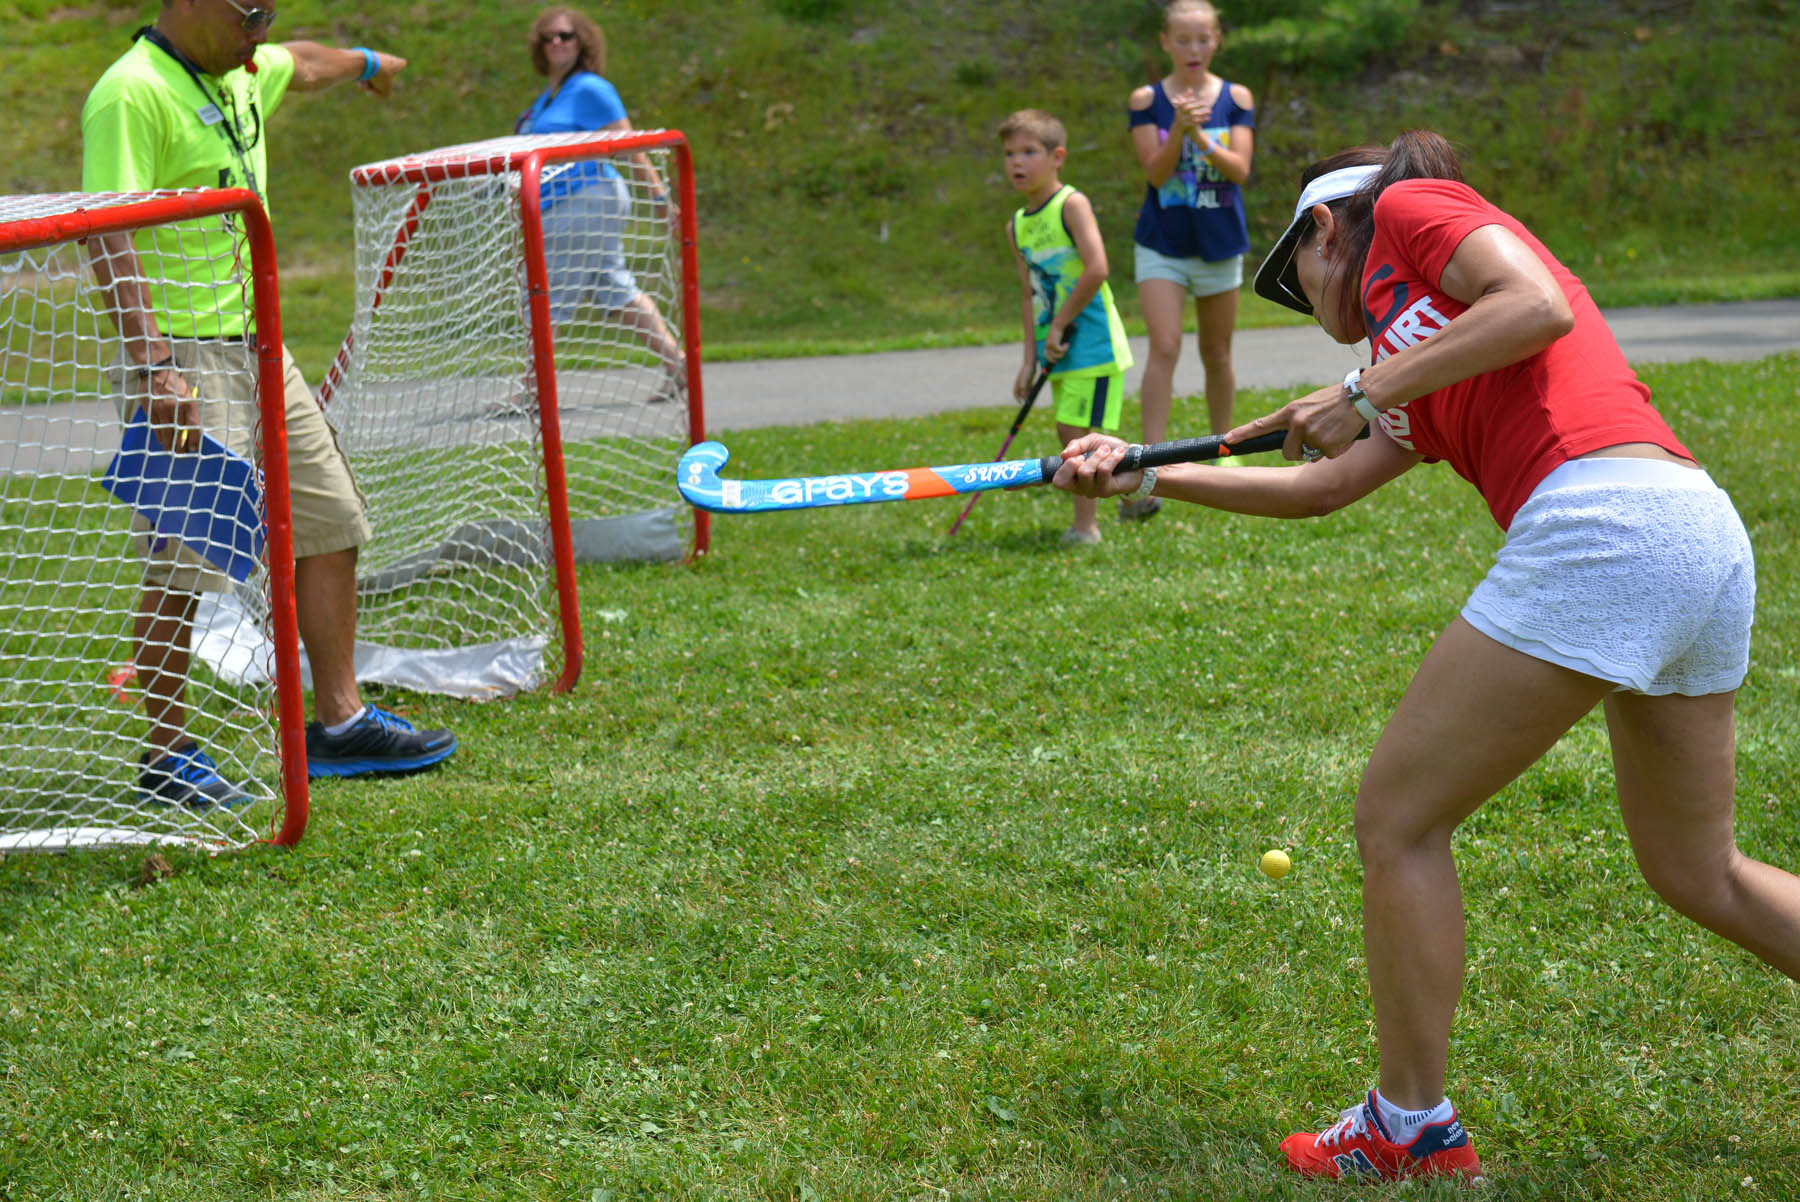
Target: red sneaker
[{"x": 1357, "y": 1145}]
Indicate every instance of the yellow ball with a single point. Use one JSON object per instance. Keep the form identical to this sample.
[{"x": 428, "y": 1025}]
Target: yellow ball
[{"x": 1275, "y": 863}]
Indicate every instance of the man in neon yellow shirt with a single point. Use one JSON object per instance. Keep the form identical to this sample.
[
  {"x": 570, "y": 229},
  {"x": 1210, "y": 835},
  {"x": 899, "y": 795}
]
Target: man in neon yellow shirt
[{"x": 185, "y": 107}]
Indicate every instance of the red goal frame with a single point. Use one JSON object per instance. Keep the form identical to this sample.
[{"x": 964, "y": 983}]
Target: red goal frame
[
  {"x": 423, "y": 171},
  {"x": 100, "y": 216}
]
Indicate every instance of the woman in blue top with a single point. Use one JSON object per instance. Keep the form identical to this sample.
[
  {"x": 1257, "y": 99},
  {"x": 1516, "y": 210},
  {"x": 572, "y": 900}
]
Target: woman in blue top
[
  {"x": 586, "y": 205},
  {"x": 1193, "y": 134}
]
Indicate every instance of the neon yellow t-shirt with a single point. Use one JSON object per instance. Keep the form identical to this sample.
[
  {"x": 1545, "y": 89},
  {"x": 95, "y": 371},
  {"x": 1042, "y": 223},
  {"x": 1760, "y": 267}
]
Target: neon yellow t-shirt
[{"x": 148, "y": 124}]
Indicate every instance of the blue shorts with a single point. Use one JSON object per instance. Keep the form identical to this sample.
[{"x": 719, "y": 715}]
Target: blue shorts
[{"x": 1201, "y": 277}]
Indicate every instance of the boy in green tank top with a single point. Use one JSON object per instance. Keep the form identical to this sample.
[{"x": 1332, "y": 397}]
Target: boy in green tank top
[{"x": 1066, "y": 307}]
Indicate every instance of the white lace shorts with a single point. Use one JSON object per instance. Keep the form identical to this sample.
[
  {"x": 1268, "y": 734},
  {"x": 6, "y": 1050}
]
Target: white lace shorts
[{"x": 1636, "y": 571}]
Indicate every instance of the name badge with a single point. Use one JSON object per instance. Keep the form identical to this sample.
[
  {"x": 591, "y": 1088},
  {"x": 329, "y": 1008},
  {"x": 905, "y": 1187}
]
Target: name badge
[{"x": 209, "y": 114}]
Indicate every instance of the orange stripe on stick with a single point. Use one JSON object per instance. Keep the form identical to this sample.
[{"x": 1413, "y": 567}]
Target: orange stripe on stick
[{"x": 923, "y": 482}]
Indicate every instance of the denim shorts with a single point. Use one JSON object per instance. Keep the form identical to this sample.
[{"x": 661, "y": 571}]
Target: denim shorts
[
  {"x": 584, "y": 250},
  {"x": 1201, "y": 277}
]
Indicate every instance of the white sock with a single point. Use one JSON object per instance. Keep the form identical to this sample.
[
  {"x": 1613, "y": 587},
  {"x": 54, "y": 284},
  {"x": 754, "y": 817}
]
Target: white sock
[
  {"x": 1403, "y": 1124},
  {"x": 347, "y": 723}
]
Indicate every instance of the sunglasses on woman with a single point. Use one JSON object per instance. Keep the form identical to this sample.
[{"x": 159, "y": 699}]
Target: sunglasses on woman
[
  {"x": 255, "y": 19},
  {"x": 560, "y": 36}
]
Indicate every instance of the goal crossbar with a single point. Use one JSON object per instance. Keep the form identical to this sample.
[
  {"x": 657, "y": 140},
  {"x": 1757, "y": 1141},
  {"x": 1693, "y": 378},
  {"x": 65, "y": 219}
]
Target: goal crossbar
[{"x": 417, "y": 186}]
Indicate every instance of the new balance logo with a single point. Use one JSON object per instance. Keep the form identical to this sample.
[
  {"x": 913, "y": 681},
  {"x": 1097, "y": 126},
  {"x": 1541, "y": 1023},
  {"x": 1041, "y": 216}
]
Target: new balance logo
[{"x": 1355, "y": 1161}]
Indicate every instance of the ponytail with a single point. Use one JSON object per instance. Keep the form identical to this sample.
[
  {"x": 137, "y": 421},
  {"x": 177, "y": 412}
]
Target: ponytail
[{"x": 1416, "y": 154}]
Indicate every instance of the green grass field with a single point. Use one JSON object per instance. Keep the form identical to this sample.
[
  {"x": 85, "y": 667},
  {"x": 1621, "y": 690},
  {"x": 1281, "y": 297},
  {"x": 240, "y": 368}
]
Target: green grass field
[{"x": 865, "y": 864}]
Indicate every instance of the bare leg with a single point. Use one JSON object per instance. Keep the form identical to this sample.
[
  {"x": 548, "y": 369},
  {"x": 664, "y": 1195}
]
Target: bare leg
[
  {"x": 164, "y": 632},
  {"x": 1162, "y": 303},
  {"x": 1674, "y": 757},
  {"x": 645, "y": 323},
  {"x": 1475, "y": 716},
  {"x": 1216, "y": 317},
  {"x": 325, "y": 596}
]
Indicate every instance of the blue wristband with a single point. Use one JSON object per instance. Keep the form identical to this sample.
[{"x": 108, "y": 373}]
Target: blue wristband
[{"x": 371, "y": 63}]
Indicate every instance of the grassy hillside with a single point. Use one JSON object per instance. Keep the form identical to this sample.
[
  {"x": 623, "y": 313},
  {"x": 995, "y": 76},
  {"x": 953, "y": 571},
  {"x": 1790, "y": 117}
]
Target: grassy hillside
[{"x": 848, "y": 173}]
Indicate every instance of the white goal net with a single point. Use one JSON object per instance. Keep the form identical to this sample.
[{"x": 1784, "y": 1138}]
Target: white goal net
[
  {"x": 91, "y": 501},
  {"x": 519, "y": 380}
]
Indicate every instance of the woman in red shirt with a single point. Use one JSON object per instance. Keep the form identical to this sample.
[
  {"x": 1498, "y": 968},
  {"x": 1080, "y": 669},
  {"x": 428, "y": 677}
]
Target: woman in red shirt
[{"x": 1626, "y": 579}]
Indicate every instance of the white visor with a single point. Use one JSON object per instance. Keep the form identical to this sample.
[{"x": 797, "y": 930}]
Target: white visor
[{"x": 1276, "y": 279}]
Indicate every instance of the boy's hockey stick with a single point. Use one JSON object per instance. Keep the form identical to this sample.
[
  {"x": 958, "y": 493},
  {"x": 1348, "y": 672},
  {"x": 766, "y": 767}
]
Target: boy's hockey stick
[
  {"x": 697, "y": 475},
  {"x": 1031, "y": 397}
]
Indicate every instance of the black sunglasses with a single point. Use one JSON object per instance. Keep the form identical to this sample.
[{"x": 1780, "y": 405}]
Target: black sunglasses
[
  {"x": 255, "y": 19},
  {"x": 564, "y": 35}
]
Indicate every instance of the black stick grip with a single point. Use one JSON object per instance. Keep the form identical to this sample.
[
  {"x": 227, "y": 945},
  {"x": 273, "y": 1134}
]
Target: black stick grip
[
  {"x": 1192, "y": 450},
  {"x": 1181, "y": 450}
]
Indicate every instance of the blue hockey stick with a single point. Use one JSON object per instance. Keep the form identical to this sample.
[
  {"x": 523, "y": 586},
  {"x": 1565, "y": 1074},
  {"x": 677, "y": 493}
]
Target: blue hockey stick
[{"x": 697, "y": 475}]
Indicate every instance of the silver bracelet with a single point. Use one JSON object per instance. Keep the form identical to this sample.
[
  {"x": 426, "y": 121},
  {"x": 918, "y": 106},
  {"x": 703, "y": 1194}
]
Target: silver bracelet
[{"x": 1146, "y": 486}]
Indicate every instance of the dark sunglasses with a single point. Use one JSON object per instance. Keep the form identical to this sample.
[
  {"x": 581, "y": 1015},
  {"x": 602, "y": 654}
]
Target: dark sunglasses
[
  {"x": 544, "y": 39},
  {"x": 255, "y": 19}
]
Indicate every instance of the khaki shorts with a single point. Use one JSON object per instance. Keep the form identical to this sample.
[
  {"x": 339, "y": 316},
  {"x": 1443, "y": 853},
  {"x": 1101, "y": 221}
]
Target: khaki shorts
[{"x": 329, "y": 512}]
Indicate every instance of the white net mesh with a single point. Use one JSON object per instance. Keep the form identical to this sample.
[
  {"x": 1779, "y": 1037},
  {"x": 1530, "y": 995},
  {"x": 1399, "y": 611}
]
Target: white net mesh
[
  {"x": 90, "y": 507},
  {"x": 438, "y": 401}
]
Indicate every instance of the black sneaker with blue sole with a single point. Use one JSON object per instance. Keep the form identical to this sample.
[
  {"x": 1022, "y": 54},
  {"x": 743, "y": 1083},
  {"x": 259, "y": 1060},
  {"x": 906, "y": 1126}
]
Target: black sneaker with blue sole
[
  {"x": 187, "y": 777},
  {"x": 379, "y": 743}
]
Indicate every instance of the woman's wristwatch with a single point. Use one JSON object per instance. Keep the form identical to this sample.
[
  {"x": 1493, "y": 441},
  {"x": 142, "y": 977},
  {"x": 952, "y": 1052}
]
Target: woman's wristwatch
[
  {"x": 1358, "y": 398},
  {"x": 1146, "y": 486}
]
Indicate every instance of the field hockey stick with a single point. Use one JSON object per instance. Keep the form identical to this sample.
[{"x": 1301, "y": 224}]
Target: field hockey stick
[
  {"x": 697, "y": 476},
  {"x": 1031, "y": 397}
]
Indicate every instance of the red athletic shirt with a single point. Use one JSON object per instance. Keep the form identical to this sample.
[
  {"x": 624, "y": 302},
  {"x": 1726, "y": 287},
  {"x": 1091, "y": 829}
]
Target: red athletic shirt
[{"x": 1505, "y": 430}]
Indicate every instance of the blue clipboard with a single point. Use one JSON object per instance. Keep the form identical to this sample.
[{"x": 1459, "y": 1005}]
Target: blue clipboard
[{"x": 210, "y": 499}]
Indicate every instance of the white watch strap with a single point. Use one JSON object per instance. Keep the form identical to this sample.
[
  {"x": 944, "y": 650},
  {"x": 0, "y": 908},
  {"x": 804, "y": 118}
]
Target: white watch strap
[
  {"x": 1145, "y": 486},
  {"x": 1360, "y": 399}
]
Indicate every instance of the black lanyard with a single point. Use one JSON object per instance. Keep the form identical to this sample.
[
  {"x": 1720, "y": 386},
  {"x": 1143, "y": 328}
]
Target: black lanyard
[{"x": 229, "y": 125}]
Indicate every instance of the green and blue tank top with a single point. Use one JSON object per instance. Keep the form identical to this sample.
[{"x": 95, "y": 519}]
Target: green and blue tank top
[{"x": 1097, "y": 345}]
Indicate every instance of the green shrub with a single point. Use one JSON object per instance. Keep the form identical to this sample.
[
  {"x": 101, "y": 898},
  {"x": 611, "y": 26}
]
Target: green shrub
[{"x": 814, "y": 11}]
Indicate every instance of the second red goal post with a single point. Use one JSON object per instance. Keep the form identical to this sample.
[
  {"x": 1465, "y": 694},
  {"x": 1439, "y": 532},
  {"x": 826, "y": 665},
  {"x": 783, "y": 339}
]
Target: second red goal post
[{"x": 521, "y": 375}]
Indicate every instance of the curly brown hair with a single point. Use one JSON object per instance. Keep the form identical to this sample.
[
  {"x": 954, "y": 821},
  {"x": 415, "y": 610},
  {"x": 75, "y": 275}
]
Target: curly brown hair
[{"x": 587, "y": 36}]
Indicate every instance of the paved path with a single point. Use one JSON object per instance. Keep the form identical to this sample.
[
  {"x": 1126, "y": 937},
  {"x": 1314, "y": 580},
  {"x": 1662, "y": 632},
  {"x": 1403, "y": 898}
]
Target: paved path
[{"x": 775, "y": 392}]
